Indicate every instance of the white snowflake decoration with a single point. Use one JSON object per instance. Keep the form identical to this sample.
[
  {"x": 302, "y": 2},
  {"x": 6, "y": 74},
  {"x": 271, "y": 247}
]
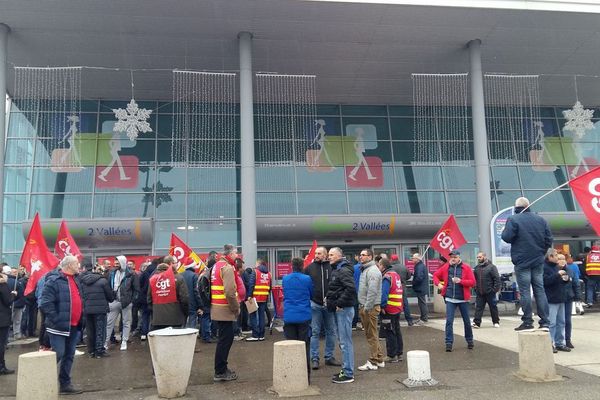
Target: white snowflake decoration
[
  {"x": 132, "y": 120},
  {"x": 578, "y": 120}
]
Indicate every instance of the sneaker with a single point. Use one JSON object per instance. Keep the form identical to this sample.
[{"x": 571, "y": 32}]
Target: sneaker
[
  {"x": 554, "y": 350},
  {"x": 448, "y": 347},
  {"x": 228, "y": 375},
  {"x": 252, "y": 339},
  {"x": 400, "y": 357},
  {"x": 470, "y": 345},
  {"x": 474, "y": 325},
  {"x": 341, "y": 378},
  {"x": 143, "y": 338},
  {"x": 380, "y": 364},
  {"x": 420, "y": 323},
  {"x": 410, "y": 323},
  {"x": 246, "y": 332},
  {"x": 79, "y": 352},
  {"x": 544, "y": 327},
  {"x": 70, "y": 389},
  {"x": 563, "y": 348},
  {"x": 237, "y": 338},
  {"x": 261, "y": 338},
  {"x": 368, "y": 367},
  {"x": 333, "y": 362},
  {"x": 314, "y": 364},
  {"x": 392, "y": 359},
  {"x": 102, "y": 355},
  {"x": 496, "y": 325},
  {"x": 570, "y": 345},
  {"x": 525, "y": 328},
  {"x": 123, "y": 346},
  {"x": 6, "y": 371}
]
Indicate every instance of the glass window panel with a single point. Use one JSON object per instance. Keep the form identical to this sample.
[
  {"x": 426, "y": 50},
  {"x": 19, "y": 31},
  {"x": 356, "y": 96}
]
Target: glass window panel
[
  {"x": 372, "y": 202},
  {"x": 415, "y": 202},
  {"x": 45, "y": 180},
  {"x": 460, "y": 152},
  {"x": 113, "y": 205},
  {"x": 322, "y": 203},
  {"x": 15, "y": 207},
  {"x": 43, "y": 152},
  {"x": 168, "y": 205},
  {"x": 164, "y": 126},
  {"x": 276, "y": 178},
  {"x": 387, "y": 181},
  {"x": 164, "y": 107},
  {"x": 214, "y": 233},
  {"x": 17, "y": 179},
  {"x": 506, "y": 198},
  {"x": 213, "y": 205},
  {"x": 364, "y": 110},
  {"x": 500, "y": 151},
  {"x": 21, "y": 125},
  {"x": 328, "y": 109},
  {"x": 139, "y": 152},
  {"x": 275, "y": 203},
  {"x": 402, "y": 128},
  {"x": 316, "y": 180},
  {"x": 12, "y": 239},
  {"x": 162, "y": 234},
  {"x": 459, "y": 177},
  {"x": 462, "y": 203},
  {"x": 505, "y": 177},
  {"x": 408, "y": 177},
  {"x": 561, "y": 200},
  {"x": 468, "y": 227},
  {"x": 19, "y": 152},
  {"x": 213, "y": 179},
  {"x": 542, "y": 179},
  {"x": 61, "y": 205},
  {"x": 141, "y": 179},
  {"x": 108, "y": 105},
  {"x": 401, "y": 111},
  {"x": 12, "y": 258},
  {"x": 106, "y": 123},
  {"x": 372, "y": 128}
]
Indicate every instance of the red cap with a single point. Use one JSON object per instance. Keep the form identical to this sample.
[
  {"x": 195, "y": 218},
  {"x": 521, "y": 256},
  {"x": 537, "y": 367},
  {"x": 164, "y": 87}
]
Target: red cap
[{"x": 394, "y": 257}]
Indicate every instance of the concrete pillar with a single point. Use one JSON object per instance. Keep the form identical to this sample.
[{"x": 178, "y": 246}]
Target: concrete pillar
[
  {"x": 290, "y": 373},
  {"x": 4, "y": 30},
  {"x": 419, "y": 369},
  {"x": 37, "y": 376},
  {"x": 247, "y": 178},
  {"x": 536, "y": 361},
  {"x": 482, "y": 166}
]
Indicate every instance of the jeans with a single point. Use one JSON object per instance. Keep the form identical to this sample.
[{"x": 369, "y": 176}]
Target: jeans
[
  {"x": 557, "y": 323},
  {"x": 64, "y": 346},
  {"x": 299, "y": 331},
  {"x": 369, "y": 321},
  {"x": 422, "y": 299},
  {"x": 146, "y": 317},
  {"x": 115, "y": 310},
  {"x": 407, "y": 314},
  {"x": 343, "y": 323},
  {"x": 532, "y": 276},
  {"x": 96, "y": 333},
  {"x": 3, "y": 341},
  {"x": 322, "y": 320},
  {"x": 192, "y": 320},
  {"x": 393, "y": 337},
  {"x": 464, "y": 312},
  {"x": 223, "y": 346},
  {"x": 593, "y": 285},
  {"x": 205, "y": 324},
  {"x": 244, "y": 317},
  {"x": 568, "y": 325},
  {"x": 257, "y": 321},
  {"x": 480, "y": 302},
  {"x": 43, "y": 337},
  {"x": 17, "y": 315}
]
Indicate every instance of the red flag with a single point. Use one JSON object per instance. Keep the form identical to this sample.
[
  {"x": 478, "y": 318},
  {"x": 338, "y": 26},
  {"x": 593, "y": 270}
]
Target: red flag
[
  {"x": 448, "y": 238},
  {"x": 65, "y": 244},
  {"x": 586, "y": 189},
  {"x": 311, "y": 254},
  {"x": 181, "y": 252},
  {"x": 36, "y": 257}
]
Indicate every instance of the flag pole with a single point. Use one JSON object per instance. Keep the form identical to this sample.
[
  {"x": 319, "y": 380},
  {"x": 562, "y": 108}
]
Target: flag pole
[{"x": 546, "y": 194}]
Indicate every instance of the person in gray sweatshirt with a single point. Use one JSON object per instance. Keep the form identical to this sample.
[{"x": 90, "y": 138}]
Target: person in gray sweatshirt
[{"x": 369, "y": 307}]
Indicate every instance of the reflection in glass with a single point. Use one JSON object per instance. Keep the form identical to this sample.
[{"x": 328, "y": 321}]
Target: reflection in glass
[
  {"x": 462, "y": 203},
  {"x": 44, "y": 180},
  {"x": 409, "y": 177},
  {"x": 213, "y": 205},
  {"x": 322, "y": 203},
  {"x": 60, "y": 205},
  {"x": 275, "y": 178},
  {"x": 372, "y": 202},
  {"x": 111, "y": 205},
  {"x": 213, "y": 234},
  {"x": 15, "y": 207},
  {"x": 275, "y": 203},
  {"x": 17, "y": 179},
  {"x": 561, "y": 200}
]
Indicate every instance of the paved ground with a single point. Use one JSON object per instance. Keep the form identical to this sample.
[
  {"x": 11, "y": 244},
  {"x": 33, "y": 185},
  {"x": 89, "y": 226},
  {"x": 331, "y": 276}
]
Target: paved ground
[{"x": 485, "y": 372}]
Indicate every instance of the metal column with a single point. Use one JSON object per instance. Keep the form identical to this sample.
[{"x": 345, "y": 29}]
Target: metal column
[
  {"x": 4, "y": 30},
  {"x": 482, "y": 166},
  {"x": 247, "y": 179}
]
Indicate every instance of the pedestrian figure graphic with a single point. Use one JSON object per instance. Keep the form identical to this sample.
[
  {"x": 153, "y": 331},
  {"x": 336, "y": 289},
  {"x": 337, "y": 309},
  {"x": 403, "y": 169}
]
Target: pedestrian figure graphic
[
  {"x": 359, "y": 148},
  {"x": 115, "y": 147},
  {"x": 320, "y": 140},
  {"x": 69, "y": 137}
]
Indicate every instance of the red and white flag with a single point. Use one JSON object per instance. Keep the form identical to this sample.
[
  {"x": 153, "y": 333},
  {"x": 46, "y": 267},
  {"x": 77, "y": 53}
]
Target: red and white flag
[
  {"x": 448, "y": 238},
  {"x": 181, "y": 251},
  {"x": 311, "y": 254},
  {"x": 65, "y": 244},
  {"x": 37, "y": 259},
  {"x": 586, "y": 189}
]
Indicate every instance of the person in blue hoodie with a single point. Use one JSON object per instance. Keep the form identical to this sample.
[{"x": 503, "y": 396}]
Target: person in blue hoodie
[
  {"x": 556, "y": 282},
  {"x": 297, "y": 314}
]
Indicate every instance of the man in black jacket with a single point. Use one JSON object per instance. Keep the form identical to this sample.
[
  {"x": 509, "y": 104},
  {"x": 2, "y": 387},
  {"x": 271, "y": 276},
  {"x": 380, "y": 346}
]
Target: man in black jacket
[
  {"x": 421, "y": 287},
  {"x": 341, "y": 298},
  {"x": 405, "y": 276},
  {"x": 322, "y": 319},
  {"x": 488, "y": 284},
  {"x": 96, "y": 293}
]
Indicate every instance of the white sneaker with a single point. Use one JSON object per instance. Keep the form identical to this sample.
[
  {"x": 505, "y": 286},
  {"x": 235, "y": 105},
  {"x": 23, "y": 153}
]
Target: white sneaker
[
  {"x": 123, "y": 345},
  {"x": 79, "y": 352},
  {"x": 496, "y": 325},
  {"x": 143, "y": 337},
  {"x": 381, "y": 364},
  {"x": 252, "y": 339},
  {"x": 368, "y": 367}
]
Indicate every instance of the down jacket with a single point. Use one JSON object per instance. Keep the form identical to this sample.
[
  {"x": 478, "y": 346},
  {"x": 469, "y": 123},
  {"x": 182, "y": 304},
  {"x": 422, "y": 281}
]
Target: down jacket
[
  {"x": 96, "y": 293},
  {"x": 529, "y": 236},
  {"x": 342, "y": 292},
  {"x": 56, "y": 303}
]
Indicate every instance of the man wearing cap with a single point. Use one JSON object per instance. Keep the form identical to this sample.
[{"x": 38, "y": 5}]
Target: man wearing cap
[
  {"x": 530, "y": 238},
  {"x": 405, "y": 275},
  {"x": 190, "y": 277},
  {"x": 455, "y": 280},
  {"x": 421, "y": 286}
]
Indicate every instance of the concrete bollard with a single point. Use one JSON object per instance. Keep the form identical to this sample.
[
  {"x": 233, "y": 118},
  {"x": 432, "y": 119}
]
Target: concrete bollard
[
  {"x": 290, "y": 373},
  {"x": 419, "y": 369},
  {"x": 536, "y": 362},
  {"x": 172, "y": 352},
  {"x": 37, "y": 377}
]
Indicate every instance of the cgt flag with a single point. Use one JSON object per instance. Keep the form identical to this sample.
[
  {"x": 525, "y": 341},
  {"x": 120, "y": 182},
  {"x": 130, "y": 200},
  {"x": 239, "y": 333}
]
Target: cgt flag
[
  {"x": 65, "y": 244},
  {"x": 586, "y": 189},
  {"x": 448, "y": 238},
  {"x": 36, "y": 257},
  {"x": 311, "y": 254},
  {"x": 181, "y": 252}
]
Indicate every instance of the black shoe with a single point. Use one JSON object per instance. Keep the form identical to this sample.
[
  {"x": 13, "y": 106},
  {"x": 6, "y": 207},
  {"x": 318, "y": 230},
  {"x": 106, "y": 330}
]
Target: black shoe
[
  {"x": 70, "y": 389},
  {"x": 226, "y": 376},
  {"x": 554, "y": 350},
  {"x": 544, "y": 327},
  {"x": 448, "y": 347},
  {"x": 410, "y": 323},
  {"x": 102, "y": 355},
  {"x": 400, "y": 357},
  {"x": 341, "y": 378},
  {"x": 470, "y": 345},
  {"x": 570, "y": 345},
  {"x": 315, "y": 364},
  {"x": 563, "y": 348},
  {"x": 525, "y": 328},
  {"x": 333, "y": 362},
  {"x": 208, "y": 341},
  {"x": 6, "y": 371}
]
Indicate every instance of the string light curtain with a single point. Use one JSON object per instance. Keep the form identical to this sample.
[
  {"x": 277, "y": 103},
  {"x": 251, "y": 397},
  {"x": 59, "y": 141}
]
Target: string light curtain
[
  {"x": 204, "y": 132},
  {"x": 441, "y": 123},
  {"x": 512, "y": 110},
  {"x": 286, "y": 115}
]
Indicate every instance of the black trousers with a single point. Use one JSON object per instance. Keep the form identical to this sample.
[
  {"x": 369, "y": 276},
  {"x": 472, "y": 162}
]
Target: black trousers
[
  {"x": 299, "y": 331},
  {"x": 243, "y": 318},
  {"x": 223, "y": 345},
  {"x": 422, "y": 299},
  {"x": 3, "y": 342},
  {"x": 95, "y": 326},
  {"x": 480, "y": 302},
  {"x": 31, "y": 315},
  {"x": 393, "y": 336},
  {"x": 43, "y": 339}
]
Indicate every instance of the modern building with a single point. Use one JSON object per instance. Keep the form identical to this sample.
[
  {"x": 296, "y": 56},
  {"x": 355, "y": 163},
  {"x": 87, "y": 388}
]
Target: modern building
[{"x": 372, "y": 179}]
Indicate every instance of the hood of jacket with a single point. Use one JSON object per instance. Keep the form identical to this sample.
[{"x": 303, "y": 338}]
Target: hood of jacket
[
  {"x": 89, "y": 278},
  {"x": 161, "y": 268},
  {"x": 263, "y": 268},
  {"x": 122, "y": 261}
]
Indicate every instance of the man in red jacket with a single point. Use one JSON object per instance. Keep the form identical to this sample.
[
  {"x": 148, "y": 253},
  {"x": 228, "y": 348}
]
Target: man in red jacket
[{"x": 455, "y": 281}]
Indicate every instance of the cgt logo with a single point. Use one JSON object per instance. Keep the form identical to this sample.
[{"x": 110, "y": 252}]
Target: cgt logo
[
  {"x": 64, "y": 246},
  {"x": 178, "y": 253},
  {"x": 163, "y": 284},
  {"x": 445, "y": 240},
  {"x": 594, "y": 189}
]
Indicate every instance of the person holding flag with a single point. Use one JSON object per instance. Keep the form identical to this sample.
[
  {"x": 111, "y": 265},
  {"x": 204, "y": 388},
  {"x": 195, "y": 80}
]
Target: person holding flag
[{"x": 168, "y": 297}]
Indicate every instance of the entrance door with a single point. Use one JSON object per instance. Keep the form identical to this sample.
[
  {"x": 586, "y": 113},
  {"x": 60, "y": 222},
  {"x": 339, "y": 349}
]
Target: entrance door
[
  {"x": 283, "y": 264},
  {"x": 389, "y": 250}
]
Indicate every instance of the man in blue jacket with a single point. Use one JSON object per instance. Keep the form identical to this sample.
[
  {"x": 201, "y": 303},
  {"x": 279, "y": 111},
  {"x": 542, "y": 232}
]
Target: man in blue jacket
[
  {"x": 421, "y": 287},
  {"x": 530, "y": 238}
]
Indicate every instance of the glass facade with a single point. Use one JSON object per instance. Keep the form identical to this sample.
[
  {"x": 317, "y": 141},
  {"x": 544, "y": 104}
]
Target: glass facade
[{"x": 364, "y": 166}]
